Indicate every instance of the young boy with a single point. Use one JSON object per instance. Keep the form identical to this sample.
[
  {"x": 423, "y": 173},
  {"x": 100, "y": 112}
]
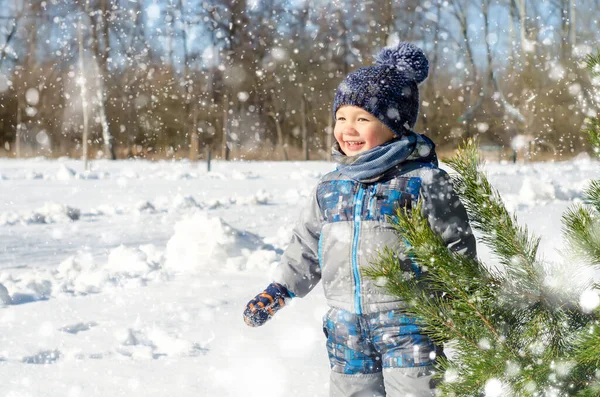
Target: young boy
[{"x": 374, "y": 349}]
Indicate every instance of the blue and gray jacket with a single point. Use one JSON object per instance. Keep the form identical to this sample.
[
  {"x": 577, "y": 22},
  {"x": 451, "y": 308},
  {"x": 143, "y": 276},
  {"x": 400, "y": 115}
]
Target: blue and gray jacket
[{"x": 344, "y": 226}]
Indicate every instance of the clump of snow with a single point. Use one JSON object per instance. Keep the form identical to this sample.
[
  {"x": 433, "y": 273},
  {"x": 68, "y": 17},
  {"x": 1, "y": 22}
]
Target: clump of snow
[
  {"x": 65, "y": 173},
  {"x": 261, "y": 260},
  {"x": 130, "y": 174},
  {"x": 183, "y": 203},
  {"x": 49, "y": 213},
  {"x": 282, "y": 237},
  {"x": 34, "y": 175},
  {"x": 212, "y": 204},
  {"x": 295, "y": 196},
  {"x": 144, "y": 206},
  {"x": 202, "y": 242},
  {"x": 9, "y": 218},
  {"x": 5, "y": 298},
  {"x": 80, "y": 275},
  {"x": 535, "y": 189},
  {"x": 56, "y": 213},
  {"x": 126, "y": 262},
  {"x": 539, "y": 189},
  {"x": 242, "y": 175},
  {"x": 259, "y": 198},
  {"x": 92, "y": 175},
  {"x": 107, "y": 209},
  {"x": 153, "y": 342}
]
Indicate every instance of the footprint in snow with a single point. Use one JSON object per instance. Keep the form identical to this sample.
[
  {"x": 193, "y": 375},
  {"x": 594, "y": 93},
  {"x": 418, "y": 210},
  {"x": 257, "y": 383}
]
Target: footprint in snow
[
  {"x": 43, "y": 357},
  {"x": 78, "y": 327}
]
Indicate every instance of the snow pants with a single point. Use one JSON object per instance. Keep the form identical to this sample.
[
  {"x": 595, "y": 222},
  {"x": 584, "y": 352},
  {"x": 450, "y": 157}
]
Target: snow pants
[{"x": 381, "y": 354}]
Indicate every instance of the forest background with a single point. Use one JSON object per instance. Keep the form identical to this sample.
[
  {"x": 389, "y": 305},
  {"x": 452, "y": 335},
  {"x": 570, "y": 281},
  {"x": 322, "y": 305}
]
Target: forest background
[{"x": 255, "y": 79}]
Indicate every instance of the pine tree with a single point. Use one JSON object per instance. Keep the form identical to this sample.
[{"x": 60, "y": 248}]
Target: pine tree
[{"x": 511, "y": 329}]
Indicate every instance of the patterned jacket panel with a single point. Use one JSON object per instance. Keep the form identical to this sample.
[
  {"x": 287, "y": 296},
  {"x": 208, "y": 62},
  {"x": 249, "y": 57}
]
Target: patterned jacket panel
[{"x": 346, "y": 225}]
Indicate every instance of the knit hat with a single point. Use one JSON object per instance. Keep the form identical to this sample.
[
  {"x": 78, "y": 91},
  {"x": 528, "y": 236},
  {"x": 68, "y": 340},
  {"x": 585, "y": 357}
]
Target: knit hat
[{"x": 388, "y": 90}]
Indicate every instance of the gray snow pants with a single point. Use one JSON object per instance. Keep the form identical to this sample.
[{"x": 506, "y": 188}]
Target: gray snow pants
[{"x": 381, "y": 354}]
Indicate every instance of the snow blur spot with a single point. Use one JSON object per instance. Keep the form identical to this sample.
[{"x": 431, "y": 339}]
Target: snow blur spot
[
  {"x": 32, "y": 96},
  {"x": 451, "y": 375},
  {"x": 279, "y": 54},
  {"x": 243, "y": 96},
  {"x": 494, "y": 388},
  {"x": 153, "y": 12},
  {"x": 424, "y": 150},
  {"x": 393, "y": 113},
  {"x": 42, "y": 138},
  {"x": 589, "y": 300},
  {"x": 483, "y": 127},
  {"x": 5, "y": 83}
]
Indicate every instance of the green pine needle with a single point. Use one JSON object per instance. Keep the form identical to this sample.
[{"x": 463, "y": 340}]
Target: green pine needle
[{"x": 593, "y": 64}]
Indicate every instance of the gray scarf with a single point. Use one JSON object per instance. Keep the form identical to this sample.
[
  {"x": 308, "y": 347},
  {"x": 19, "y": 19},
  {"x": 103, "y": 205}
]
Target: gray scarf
[{"x": 411, "y": 150}]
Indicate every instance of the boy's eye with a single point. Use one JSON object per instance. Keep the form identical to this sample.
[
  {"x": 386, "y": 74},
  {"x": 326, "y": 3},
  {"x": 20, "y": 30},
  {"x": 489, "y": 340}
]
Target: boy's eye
[
  {"x": 340, "y": 118},
  {"x": 362, "y": 119}
]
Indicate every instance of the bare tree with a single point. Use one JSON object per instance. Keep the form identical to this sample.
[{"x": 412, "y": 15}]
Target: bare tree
[
  {"x": 99, "y": 26},
  {"x": 14, "y": 23}
]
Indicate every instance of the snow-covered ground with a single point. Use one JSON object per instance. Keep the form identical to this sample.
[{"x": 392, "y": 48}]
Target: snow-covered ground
[{"x": 131, "y": 279}]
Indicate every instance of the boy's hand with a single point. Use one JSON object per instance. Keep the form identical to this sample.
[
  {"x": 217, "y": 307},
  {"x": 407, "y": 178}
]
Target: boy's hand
[{"x": 265, "y": 305}]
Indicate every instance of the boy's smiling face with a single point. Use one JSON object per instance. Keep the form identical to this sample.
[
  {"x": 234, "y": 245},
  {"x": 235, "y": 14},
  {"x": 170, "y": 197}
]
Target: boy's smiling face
[{"x": 357, "y": 130}]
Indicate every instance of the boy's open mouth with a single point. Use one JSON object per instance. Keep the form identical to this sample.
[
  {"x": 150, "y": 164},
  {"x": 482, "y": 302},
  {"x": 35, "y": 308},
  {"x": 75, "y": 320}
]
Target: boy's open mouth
[{"x": 353, "y": 144}]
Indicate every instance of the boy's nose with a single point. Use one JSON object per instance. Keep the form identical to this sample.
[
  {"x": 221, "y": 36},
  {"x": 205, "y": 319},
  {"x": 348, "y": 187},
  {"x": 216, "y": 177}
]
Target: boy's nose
[{"x": 350, "y": 131}]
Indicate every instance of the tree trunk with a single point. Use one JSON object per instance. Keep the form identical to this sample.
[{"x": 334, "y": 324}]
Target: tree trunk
[
  {"x": 572, "y": 26},
  {"x": 225, "y": 149},
  {"x": 9, "y": 37},
  {"x": 304, "y": 127},
  {"x": 101, "y": 54},
  {"x": 523, "y": 28},
  {"x": 84, "y": 101},
  {"x": 19, "y": 128},
  {"x": 276, "y": 118}
]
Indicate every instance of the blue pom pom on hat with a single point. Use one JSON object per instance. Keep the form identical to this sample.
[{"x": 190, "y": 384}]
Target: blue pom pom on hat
[{"x": 389, "y": 89}]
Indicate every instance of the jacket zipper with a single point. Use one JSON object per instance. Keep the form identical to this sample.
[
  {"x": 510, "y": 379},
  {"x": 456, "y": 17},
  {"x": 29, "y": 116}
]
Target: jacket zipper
[
  {"x": 358, "y": 205},
  {"x": 373, "y": 191}
]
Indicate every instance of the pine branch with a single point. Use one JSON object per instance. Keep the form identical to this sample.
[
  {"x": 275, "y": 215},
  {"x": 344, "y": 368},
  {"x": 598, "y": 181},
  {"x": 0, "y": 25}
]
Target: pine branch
[
  {"x": 593, "y": 64},
  {"x": 592, "y": 129},
  {"x": 591, "y": 195},
  {"x": 488, "y": 213},
  {"x": 512, "y": 325},
  {"x": 581, "y": 229}
]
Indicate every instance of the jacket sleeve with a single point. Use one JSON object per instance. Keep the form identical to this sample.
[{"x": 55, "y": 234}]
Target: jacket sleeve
[
  {"x": 299, "y": 269},
  {"x": 446, "y": 214}
]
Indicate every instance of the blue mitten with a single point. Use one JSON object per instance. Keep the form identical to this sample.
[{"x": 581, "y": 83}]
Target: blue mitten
[{"x": 265, "y": 305}]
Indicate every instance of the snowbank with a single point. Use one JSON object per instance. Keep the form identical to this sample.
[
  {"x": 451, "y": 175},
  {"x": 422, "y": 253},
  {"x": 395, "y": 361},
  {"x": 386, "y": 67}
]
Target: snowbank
[
  {"x": 49, "y": 213},
  {"x": 61, "y": 213},
  {"x": 80, "y": 275},
  {"x": 202, "y": 242}
]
